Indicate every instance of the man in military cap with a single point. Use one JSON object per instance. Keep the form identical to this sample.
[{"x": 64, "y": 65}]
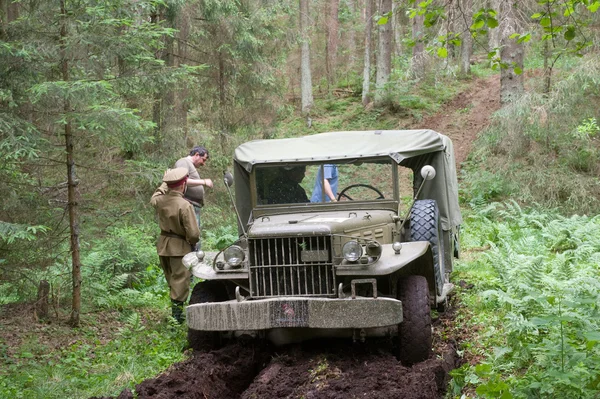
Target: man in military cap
[{"x": 179, "y": 234}]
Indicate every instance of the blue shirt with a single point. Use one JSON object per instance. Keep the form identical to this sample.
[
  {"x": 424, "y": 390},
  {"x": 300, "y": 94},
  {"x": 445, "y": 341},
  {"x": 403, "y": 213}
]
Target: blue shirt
[{"x": 331, "y": 174}]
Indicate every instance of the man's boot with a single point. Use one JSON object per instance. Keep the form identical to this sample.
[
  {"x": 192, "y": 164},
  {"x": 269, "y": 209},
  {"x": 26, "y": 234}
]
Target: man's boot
[{"x": 177, "y": 311}]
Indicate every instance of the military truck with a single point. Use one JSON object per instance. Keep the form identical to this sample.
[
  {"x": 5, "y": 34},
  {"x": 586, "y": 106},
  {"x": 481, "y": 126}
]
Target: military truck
[{"x": 373, "y": 262}]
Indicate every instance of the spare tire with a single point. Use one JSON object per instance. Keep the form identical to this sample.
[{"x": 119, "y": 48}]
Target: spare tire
[{"x": 425, "y": 225}]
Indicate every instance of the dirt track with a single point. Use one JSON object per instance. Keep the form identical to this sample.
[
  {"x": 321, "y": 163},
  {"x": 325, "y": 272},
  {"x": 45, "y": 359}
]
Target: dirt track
[
  {"x": 337, "y": 369},
  {"x": 322, "y": 369}
]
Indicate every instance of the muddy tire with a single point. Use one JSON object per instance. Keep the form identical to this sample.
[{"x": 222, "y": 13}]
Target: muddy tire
[
  {"x": 425, "y": 225},
  {"x": 414, "y": 333},
  {"x": 206, "y": 292}
]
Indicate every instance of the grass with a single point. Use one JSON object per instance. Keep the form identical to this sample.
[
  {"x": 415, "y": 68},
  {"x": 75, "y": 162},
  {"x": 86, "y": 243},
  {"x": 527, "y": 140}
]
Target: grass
[{"x": 102, "y": 357}]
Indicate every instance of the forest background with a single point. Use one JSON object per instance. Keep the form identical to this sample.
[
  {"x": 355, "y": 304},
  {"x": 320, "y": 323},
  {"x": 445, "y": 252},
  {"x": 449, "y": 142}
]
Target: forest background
[{"x": 99, "y": 98}]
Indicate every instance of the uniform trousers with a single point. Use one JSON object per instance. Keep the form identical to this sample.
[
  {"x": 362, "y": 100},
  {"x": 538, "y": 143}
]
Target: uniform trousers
[{"x": 178, "y": 277}]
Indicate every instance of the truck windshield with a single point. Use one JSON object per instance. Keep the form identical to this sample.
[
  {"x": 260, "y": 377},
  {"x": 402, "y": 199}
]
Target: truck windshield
[{"x": 325, "y": 182}]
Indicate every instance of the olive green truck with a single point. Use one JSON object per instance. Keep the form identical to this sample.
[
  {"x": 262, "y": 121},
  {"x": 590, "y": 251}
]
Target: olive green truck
[{"x": 372, "y": 261}]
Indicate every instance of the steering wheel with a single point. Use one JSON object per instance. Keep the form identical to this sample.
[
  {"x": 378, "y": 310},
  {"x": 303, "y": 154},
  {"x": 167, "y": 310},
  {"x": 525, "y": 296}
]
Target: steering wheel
[{"x": 343, "y": 192}]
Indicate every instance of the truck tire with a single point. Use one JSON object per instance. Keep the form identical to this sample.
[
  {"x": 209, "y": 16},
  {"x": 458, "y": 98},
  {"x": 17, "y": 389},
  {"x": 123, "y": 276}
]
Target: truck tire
[
  {"x": 206, "y": 292},
  {"x": 425, "y": 225},
  {"x": 414, "y": 333}
]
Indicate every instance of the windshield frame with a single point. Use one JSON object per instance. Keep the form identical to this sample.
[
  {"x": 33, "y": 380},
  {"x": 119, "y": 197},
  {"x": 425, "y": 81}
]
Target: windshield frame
[{"x": 358, "y": 204}]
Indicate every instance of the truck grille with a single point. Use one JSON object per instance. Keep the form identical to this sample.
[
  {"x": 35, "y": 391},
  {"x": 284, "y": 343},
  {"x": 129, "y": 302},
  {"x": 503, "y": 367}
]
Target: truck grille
[{"x": 291, "y": 266}]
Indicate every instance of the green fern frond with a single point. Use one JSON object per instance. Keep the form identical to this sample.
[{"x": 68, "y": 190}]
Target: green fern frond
[{"x": 118, "y": 282}]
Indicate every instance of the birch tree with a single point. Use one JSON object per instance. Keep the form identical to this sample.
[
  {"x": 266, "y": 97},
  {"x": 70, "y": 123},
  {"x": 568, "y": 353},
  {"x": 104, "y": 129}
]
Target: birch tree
[
  {"x": 306, "y": 78},
  {"x": 384, "y": 49},
  {"x": 331, "y": 47},
  {"x": 418, "y": 50},
  {"x": 466, "y": 46},
  {"x": 367, "y": 58},
  {"x": 512, "y": 53}
]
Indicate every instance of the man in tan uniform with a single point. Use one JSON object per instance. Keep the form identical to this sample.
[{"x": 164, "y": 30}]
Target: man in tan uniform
[{"x": 179, "y": 234}]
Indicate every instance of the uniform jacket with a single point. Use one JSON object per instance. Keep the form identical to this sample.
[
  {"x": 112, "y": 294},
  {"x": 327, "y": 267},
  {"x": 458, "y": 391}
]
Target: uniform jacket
[{"x": 176, "y": 217}]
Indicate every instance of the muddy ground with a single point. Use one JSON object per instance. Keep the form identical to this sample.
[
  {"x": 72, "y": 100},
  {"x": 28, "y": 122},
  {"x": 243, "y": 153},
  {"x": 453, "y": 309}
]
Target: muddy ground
[
  {"x": 319, "y": 369},
  {"x": 338, "y": 369}
]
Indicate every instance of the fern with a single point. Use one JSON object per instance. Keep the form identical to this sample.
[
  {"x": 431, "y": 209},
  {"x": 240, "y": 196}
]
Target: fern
[{"x": 547, "y": 293}]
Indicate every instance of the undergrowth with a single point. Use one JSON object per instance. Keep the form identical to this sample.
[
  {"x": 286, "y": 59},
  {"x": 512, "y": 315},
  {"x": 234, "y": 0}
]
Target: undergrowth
[
  {"x": 543, "y": 148},
  {"x": 126, "y": 333},
  {"x": 533, "y": 312},
  {"x": 104, "y": 357}
]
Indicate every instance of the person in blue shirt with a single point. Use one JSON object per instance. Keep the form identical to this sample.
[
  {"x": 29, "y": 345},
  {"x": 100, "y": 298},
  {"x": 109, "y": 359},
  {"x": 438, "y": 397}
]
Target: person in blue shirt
[{"x": 330, "y": 172}]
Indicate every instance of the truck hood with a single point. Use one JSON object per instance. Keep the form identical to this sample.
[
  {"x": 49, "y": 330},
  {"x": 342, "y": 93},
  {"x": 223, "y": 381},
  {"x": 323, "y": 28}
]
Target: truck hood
[{"x": 318, "y": 223}]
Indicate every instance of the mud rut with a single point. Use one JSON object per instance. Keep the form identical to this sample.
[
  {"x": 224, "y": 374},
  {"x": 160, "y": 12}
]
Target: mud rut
[
  {"x": 317, "y": 369},
  {"x": 341, "y": 368}
]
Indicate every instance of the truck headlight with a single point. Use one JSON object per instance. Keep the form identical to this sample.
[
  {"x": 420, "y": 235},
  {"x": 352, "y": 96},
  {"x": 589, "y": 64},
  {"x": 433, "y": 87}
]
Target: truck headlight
[
  {"x": 234, "y": 255},
  {"x": 352, "y": 251}
]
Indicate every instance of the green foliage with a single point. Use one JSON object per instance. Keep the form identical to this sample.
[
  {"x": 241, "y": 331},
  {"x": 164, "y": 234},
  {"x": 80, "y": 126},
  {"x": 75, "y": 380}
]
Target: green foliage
[
  {"x": 98, "y": 362},
  {"x": 220, "y": 237},
  {"x": 90, "y": 69},
  {"x": 122, "y": 270},
  {"x": 565, "y": 20},
  {"x": 542, "y": 148},
  {"x": 125, "y": 334},
  {"x": 587, "y": 129},
  {"x": 564, "y": 25},
  {"x": 537, "y": 312},
  {"x": 243, "y": 45},
  {"x": 9, "y": 232},
  {"x": 123, "y": 249}
]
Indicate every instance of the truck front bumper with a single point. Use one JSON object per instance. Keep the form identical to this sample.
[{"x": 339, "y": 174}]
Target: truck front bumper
[{"x": 264, "y": 314}]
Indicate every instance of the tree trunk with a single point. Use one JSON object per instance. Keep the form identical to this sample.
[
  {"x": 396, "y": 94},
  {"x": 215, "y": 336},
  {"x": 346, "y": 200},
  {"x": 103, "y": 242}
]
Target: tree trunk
[
  {"x": 170, "y": 129},
  {"x": 72, "y": 182},
  {"x": 450, "y": 27},
  {"x": 397, "y": 26},
  {"x": 157, "y": 103},
  {"x": 8, "y": 12},
  {"x": 547, "y": 67},
  {"x": 384, "y": 52},
  {"x": 351, "y": 41},
  {"x": 548, "y": 63},
  {"x": 181, "y": 103},
  {"x": 418, "y": 51},
  {"x": 494, "y": 34},
  {"x": 367, "y": 60},
  {"x": 306, "y": 78},
  {"x": 512, "y": 54},
  {"x": 466, "y": 47},
  {"x": 331, "y": 46},
  {"x": 41, "y": 305}
]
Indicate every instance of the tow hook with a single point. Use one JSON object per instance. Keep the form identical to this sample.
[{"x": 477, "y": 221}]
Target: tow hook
[{"x": 364, "y": 281}]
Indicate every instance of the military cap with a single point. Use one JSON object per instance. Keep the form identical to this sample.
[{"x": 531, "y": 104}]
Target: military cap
[{"x": 175, "y": 177}]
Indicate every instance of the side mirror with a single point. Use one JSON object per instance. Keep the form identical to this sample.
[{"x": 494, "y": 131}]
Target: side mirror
[
  {"x": 228, "y": 179},
  {"x": 428, "y": 172}
]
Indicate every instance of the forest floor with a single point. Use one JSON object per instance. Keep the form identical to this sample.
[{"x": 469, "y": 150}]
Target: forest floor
[{"x": 338, "y": 369}]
